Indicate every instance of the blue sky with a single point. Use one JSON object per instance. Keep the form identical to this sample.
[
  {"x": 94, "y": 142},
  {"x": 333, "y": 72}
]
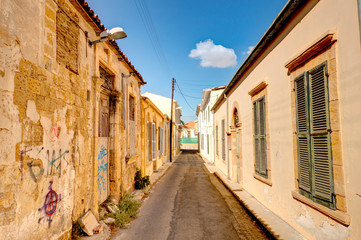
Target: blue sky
[{"x": 199, "y": 43}]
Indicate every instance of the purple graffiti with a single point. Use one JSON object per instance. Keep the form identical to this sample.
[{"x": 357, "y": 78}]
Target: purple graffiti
[
  {"x": 50, "y": 203},
  {"x": 22, "y": 153}
]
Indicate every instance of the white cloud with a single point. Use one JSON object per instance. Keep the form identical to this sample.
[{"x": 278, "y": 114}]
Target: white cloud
[
  {"x": 250, "y": 48},
  {"x": 214, "y": 55}
]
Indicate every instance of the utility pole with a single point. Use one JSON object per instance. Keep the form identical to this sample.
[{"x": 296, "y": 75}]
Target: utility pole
[{"x": 171, "y": 123}]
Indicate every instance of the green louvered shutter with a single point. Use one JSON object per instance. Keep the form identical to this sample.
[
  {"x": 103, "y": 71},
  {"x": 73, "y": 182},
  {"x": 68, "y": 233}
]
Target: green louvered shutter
[
  {"x": 320, "y": 134},
  {"x": 256, "y": 137},
  {"x": 262, "y": 137},
  {"x": 304, "y": 164}
]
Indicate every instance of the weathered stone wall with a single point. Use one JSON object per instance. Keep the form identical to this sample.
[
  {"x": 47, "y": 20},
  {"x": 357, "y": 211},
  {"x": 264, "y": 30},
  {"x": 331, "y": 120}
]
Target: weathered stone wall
[{"x": 50, "y": 91}]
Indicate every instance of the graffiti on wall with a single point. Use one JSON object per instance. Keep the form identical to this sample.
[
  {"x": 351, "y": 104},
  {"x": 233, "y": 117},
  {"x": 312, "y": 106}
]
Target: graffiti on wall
[
  {"x": 50, "y": 204},
  {"x": 53, "y": 133},
  {"x": 22, "y": 153},
  {"x": 54, "y": 162},
  {"x": 102, "y": 169}
]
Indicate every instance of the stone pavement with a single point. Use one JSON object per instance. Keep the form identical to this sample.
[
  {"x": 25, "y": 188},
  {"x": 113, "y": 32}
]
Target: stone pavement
[
  {"x": 270, "y": 221},
  {"x": 138, "y": 194}
]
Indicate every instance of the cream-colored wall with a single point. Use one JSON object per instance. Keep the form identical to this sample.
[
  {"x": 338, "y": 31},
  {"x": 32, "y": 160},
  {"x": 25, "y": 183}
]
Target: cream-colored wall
[{"x": 327, "y": 15}]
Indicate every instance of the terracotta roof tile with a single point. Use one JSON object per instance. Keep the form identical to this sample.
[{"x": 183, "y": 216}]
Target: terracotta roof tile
[{"x": 97, "y": 21}]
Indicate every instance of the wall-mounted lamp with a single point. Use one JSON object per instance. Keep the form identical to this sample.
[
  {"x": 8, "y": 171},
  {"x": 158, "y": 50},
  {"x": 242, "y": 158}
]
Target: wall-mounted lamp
[{"x": 114, "y": 33}]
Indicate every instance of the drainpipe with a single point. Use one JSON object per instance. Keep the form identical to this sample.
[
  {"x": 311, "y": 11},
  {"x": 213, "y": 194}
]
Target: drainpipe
[{"x": 227, "y": 152}]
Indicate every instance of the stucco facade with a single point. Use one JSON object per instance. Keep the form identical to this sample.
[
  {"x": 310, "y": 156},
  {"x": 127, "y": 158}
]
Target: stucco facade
[
  {"x": 305, "y": 38},
  {"x": 64, "y": 118},
  {"x": 205, "y": 122}
]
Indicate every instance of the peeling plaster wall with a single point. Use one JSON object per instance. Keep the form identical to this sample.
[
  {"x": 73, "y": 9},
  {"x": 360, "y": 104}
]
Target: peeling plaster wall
[{"x": 47, "y": 120}]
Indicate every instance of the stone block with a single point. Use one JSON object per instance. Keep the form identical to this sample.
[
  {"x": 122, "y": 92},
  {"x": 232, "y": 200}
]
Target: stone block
[
  {"x": 45, "y": 90},
  {"x": 88, "y": 222},
  {"x": 50, "y": 25},
  {"x": 49, "y": 50},
  {"x": 20, "y": 81},
  {"x": 20, "y": 98},
  {"x": 341, "y": 203},
  {"x": 49, "y": 12},
  {"x": 339, "y": 182},
  {"x": 34, "y": 86},
  {"x": 24, "y": 66},
  {"x": 32, "y": 133}
]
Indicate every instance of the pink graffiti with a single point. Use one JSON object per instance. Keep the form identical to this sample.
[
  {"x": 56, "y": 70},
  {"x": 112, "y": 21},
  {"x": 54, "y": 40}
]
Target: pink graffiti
[{"x": 53, "y": 133}]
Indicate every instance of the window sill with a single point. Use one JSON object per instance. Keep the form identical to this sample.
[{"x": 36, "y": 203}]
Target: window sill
[
  {"x": 262, "y": 179},
  {"x": 336, "y": 215}
]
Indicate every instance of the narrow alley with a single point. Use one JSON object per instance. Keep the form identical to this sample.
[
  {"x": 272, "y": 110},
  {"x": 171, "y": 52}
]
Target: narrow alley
[{"x": 190, "y": 203}]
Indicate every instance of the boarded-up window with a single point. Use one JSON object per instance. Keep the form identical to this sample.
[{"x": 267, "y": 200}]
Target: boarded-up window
[
  {"x": 132, "y": 126},
  {"x": 67, "y": 40},
  {"x": 104, "y": 122},
  {"x": 107, "y": 77},
  {"x": 131, "y": 108},
  {"x": 315, "y": 173},
  {"x": 260, "y": 148}
]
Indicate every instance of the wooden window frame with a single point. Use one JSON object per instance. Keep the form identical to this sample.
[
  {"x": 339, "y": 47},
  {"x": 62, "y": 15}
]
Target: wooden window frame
[
  {"x": 322, "y": 50},
  {"x": 260, "y": 91}
]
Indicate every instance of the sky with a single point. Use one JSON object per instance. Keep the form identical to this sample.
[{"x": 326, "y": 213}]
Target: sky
[{"x": 201, "y": 44}]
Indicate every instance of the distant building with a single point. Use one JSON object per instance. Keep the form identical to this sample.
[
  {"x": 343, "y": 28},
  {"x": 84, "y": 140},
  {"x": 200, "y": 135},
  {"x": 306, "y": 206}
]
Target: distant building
[
  {"x": 164, "y": 105},
  {"x": 205, "y": 122}
]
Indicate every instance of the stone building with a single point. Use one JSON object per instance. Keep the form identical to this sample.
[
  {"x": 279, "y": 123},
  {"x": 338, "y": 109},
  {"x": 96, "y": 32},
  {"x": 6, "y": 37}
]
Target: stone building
[
  {"x": 69, "y": 118},
  {"x": 164, "y": 105},
  {"x": 155, "y": 137},
  {"x": 289, "y": 120}
]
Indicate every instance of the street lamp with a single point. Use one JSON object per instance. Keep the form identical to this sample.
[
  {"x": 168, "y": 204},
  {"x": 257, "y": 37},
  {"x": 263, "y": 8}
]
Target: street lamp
[{"x": 114, "y": 33}]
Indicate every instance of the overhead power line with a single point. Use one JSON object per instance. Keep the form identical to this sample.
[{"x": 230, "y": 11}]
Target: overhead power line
[
  {"x": 152, "y": 33},
  {"x": 188, "y": 95},
  {"x": 184, "y": 97}
]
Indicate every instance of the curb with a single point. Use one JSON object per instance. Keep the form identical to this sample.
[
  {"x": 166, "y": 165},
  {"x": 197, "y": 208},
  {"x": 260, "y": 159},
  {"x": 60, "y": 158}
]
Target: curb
[{"x": 273, "y": 225}]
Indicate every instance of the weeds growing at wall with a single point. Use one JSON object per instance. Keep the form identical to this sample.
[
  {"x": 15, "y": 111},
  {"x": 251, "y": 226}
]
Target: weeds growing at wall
[
  {"x": 127, "y": 210},
  {"x": 141, "y": 182}
]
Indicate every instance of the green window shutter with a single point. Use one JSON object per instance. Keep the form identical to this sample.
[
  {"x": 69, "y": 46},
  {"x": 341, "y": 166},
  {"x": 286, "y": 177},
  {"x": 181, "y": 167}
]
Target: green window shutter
[
  {"x": 260, "y": 146},
  {"x": 304, "y": 163},
  {"x": 262, "y": 137},
  {"x": 256, "y": 137},
  {"x": 223, "y": 140},
  {"x": 320, "y": 134}
]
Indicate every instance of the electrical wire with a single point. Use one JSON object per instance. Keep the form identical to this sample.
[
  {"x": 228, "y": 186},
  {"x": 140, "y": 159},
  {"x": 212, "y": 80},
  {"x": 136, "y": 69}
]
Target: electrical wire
[
  {"x": 184, "y": 97},
  {"x": 152, "y": 33},
  {"x": 188, "y": 95}
]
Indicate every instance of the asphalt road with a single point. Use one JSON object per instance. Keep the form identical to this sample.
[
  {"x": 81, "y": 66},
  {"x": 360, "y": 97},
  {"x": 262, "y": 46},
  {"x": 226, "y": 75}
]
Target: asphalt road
[{"x": 189, "y": 203}]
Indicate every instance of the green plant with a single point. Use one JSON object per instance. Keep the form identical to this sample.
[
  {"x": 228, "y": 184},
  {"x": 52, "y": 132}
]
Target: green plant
[
  {"x": 141, "y": 182},
  {"x": 128, "y": 208},
  {"x": 76, "y": 231}
]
